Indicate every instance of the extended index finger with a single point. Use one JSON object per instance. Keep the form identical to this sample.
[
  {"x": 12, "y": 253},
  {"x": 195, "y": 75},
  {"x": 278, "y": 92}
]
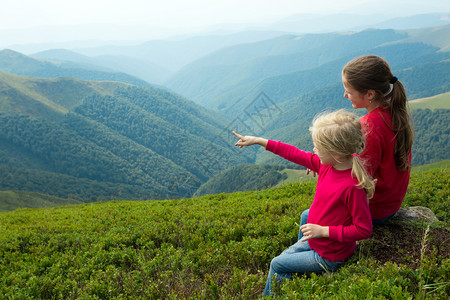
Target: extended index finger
[{"x": 237, "y": 135}]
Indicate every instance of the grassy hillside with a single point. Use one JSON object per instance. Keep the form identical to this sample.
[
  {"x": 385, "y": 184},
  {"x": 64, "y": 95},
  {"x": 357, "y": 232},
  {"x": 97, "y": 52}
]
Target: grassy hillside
[
  {"x": 444, "y": 164},
  {"x": 435, "y": 102},
  {"x": 147, "y": 140},
  {"x": 213, "y": 247},
  {"x": 11, "y": 200},
  {"x": 246, "y": 177}
]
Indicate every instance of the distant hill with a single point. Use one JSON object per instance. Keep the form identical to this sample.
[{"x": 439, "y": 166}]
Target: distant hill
[
  {"x": 20, "y": 64},
  {"x": 11, "y": 200},
  {"x": 441, "y": 101},
  {"x": 107, "y": 133},
  {"x": 443, "y": 164},
  {"x": 432, "y": 142},
  {"x": 246, "y": 177},
  {"x": 318, "y": 23},
  {"x": 416, "y": 21},
  {"x": 173, "y": 54},
  {"x": 293, "y": 65},
  {"x": 142, "y": 69}
]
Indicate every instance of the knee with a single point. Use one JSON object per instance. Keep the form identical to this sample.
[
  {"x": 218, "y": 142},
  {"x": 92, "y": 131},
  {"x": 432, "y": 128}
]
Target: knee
[
  {"x": 304, "y": 215},
  {"x": 275, "y": 265}
]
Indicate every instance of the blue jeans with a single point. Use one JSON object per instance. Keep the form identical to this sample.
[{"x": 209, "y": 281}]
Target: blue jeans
[
  {"x": 303, "y": 221},
  {"x": 298, "y": 259},
  {"x": 381, "y": 221}
]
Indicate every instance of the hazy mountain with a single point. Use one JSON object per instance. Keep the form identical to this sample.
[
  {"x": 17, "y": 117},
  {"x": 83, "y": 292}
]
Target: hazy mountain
[
  {"x": 416, "y": 21},
  {"x": 316, "y": 23},
  {"x": 288, "y": 66},
  {"x": 209, "y": 78},
  {"x": 172, "y": 54},
  {"x": 145, "y": 142},
  {"x": 20, "y": 64},
  {"x": 149, "y": 72}
]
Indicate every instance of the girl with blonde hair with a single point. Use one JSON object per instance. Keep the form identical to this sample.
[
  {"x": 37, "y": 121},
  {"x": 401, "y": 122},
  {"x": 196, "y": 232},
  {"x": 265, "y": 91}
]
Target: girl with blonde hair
[{"x": 339, "y": 214}]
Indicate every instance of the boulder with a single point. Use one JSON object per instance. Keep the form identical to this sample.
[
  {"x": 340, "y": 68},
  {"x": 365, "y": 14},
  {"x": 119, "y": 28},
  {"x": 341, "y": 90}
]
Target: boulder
[{"x": 415, "y": 214}]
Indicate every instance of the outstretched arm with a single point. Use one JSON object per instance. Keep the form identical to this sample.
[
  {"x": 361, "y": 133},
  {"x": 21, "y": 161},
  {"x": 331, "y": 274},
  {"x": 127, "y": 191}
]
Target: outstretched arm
[{"x": 249, "y": 140}]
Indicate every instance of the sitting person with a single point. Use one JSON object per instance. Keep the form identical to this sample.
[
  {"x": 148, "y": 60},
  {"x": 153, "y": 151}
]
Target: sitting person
[
  {"x": 339, "y": 214},
  {"x": 370, "y": 84}
]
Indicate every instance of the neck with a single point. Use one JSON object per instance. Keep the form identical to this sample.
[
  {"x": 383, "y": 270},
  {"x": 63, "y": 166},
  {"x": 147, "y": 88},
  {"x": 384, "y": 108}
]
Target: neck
[
  {"x": 344, "y": 164},
  {"x": 372, "y": 106}
]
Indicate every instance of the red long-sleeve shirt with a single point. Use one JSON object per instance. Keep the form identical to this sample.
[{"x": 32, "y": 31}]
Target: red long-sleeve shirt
[
  {"x": 338, "y": 203},
  {"x": 378, "y": 158}
]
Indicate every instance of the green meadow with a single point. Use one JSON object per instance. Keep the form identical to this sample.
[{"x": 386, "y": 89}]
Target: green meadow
[
  {"x": 441, "y": 101},
  {"x": 215, "y": 247}
]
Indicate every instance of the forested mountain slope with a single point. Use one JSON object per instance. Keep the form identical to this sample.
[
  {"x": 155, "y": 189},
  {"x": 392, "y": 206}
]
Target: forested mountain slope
[{"x": 125, "y": 140}]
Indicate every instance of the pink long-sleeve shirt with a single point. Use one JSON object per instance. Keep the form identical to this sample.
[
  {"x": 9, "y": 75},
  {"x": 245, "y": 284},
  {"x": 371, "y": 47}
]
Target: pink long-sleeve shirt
[
  {"x": 378, "y": 157},
  {"x": 338, "y": 203}
]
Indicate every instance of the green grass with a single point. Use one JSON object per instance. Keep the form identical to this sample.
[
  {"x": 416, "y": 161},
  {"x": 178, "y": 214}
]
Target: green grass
[
  {"x": 55, "y": 96},
  {"x": 295, "y": 176},
  {"x": 444, "y": 164},
  {"x": 11, "y": 200},
  {"x": 212, "y": 247},
  {"x": 441, "y": 101}
]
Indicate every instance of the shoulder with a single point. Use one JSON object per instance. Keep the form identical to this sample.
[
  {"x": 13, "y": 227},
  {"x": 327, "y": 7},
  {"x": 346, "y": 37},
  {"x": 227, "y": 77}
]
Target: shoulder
[
  {"x": 378, "y": 119},
  {"x": 356, "y": 193}
]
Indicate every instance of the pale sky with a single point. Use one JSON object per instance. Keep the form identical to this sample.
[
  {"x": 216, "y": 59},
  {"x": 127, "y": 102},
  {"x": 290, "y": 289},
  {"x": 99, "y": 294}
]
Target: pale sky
[
  {"x": 176, "y": 13},
  {"x": 181, "y": 16}
]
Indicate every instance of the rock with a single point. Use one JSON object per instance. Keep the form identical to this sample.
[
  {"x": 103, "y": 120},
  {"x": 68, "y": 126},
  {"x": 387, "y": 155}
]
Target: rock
[{"x": 415, "y": 214}]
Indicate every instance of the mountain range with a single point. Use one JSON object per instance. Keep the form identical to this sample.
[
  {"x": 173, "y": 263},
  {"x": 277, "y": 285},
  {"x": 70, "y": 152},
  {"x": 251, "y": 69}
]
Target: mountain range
[
  {"x": 98, "y": 127},
  {"x": 69, "y": 66},
  {"x": 108, "y": 133},
  {"x": 289, "y": 66}
]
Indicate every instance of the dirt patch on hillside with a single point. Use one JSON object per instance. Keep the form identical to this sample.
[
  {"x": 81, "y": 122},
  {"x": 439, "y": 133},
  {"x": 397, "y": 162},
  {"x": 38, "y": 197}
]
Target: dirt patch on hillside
[{"x": 403, "y": 243}]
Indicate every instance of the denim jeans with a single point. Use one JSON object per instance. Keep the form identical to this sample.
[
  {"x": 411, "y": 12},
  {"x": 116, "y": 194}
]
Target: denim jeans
[
  {"x": 303, "y": 221},
  {"x": 381, "y": 221},
  {"x": 298, "y": 259}
]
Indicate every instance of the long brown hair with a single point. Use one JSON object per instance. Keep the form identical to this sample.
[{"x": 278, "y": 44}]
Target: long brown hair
[{"x": 372, "y": 72}]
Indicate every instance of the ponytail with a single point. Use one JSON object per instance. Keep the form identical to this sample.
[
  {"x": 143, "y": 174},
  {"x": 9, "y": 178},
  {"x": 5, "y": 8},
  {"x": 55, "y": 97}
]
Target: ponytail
[
  {"x": 401, "y": 125},
  {"x": 365, "y": 181}
]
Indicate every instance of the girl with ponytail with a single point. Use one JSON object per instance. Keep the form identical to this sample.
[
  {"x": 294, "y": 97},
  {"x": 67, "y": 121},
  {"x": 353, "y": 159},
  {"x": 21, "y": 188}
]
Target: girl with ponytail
[
  {"x": 339, "y": 214},
  {"x": 370, "y": 84}
]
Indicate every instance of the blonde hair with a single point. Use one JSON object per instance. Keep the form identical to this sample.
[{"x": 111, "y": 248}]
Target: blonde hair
[
  {"x": 339, "y": 133},
  {"x": 372, "y": 72}
]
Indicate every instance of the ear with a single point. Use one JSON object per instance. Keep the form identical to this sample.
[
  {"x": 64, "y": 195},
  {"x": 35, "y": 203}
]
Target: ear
[{"x": 371, "y": 94}]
